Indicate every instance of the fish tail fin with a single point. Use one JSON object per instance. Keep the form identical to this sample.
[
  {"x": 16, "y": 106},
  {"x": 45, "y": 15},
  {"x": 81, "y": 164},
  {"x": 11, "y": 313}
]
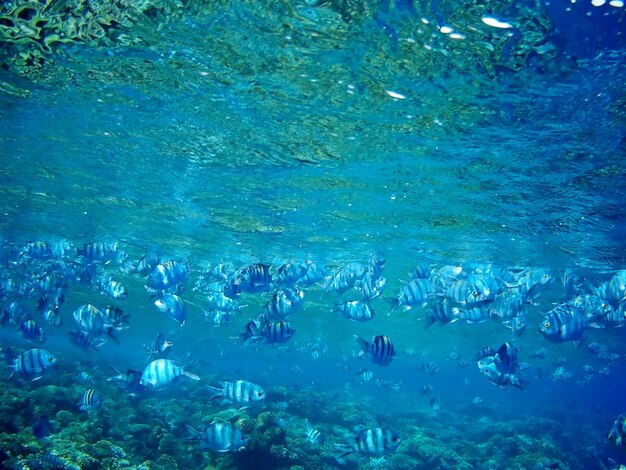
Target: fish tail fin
[
  {"x": 363, "y": 344},
  {"x": 217, "y": 392},
  {"x": 191, "y": 375},
  {"x": 192, "y": 433},
  {"x": 111, "y": 333},
  {"x": 395, "y": 303}
]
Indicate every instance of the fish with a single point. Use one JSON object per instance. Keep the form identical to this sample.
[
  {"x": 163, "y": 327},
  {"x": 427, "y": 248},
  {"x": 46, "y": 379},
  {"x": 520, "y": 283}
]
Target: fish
[
  {"x": 86, "y": 341},
  {"x": 371, "y": 287},
  {"x": 147, "y": 263},
  {"x": 435, "y": 403},
  {"x": 289, "y": 273},
  {"x": 112, "y": 288},
  {"x": 52, "y": 316},
  {"x": 159, "y": 347},
  {"x": 356, "y": 310},
  {"x": 33, "y": 363},
  {"x": 371, "y": 442},
  {"x": 444, "y": 312},
  {"x": 278, "y": 332},
  {"x": 380, "y": 349},
  {"x": 173, "y": 307},
  {"x": 90, "y": 400},
  {"x": 116, "y": 317},
  {"x": 32, "y": 332},
  {"x": 42, "y": 427},
  {"x": 91, "y": 320},
  {"x": 313, "y": 434},
  {"x": 488, "y": 367},
  {"x": 161, "y": 373},
  {"x": 617, "y": 434},
  {"x": 345, "y": 278},
  {"x": 218, "y": 317},
  {"x": 365, "y": 375},
  {"x": 254, "y": 278},
  {"x": 507, "y": 304},
  {"x": 465, "y": 293},
  {"x": 38, "y": 250},
  {"x": 99, "y": 251},
  {"x": 415, "y": 293},
  {"x": 284, "y": 303},
  {"x": 237, "y": 392},
  {"x": 220, "y": 437},
  {"x": 616, "y": 289},
  {"x": 506, "y": 359},
  {"x": 84, "y": 378},
  {"x": 564, "y": 323},
  {"x": 220, "y": 301},
  {"x": 129, "y": 380},
  {"x": 592, "y": 306},
  {"x": 167, "y": 275}
]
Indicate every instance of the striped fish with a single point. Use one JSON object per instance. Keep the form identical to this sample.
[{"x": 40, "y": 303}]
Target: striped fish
[
  {"x": 32, "y": 332},
  {"x": 290, "y": 273},
  {"x": 162, "y": 372},
  {"x": 616, "y": 289},
  {"x": 371, "y": 287},
  {"x": 98, "y": 251},
  {"x": 413, "y": 294},
  {"x": 444, "y": 312},
  {"x": 356, "y": 310},
  {"x": 284, "y": 303},
  {"x": 112, "y": 288},
  {"x": 617, "y": 433},
  {"x": 254, "y": 278},
  {"x": 380, "y": 348},
  {"x": 39, "y": 250},
  {"x": 91, "y": 320},
  {"x": 33, "y": 362},
  {"x": 220, "y": 437},
  {"x": 466, "y": 293},
  {"x": 167, "y": 275},
  {"x": 52, "y": 316},
  {"x": 345, "y": 278},
  {"x": 372, "y": 442},
  {"x": 564, "y": 323},
  {"x": 160, "y": 346},
  {"x": 172, "y": 306},
  {"x": 238, "y": 391},
  {"x": 90, "y": 400},
  {"x": 313, "y": 434},
  {"x": 116, "y": 317},
  {"x": 86, "y": 341}
]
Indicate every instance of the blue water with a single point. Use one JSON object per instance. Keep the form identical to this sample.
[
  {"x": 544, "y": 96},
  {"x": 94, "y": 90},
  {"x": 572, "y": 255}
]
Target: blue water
[{"x": 329, "y": 131}]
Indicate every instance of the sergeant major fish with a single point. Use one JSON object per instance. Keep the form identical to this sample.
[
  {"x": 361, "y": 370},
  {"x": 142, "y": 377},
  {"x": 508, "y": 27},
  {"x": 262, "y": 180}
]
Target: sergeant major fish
[
  {"x": 90, "y": 400},
  {"x": 173, "y": 307},
  {"x": 356, "y": 310},
  {"x": 564, "y": 323},
  {"x": 413, "y": 294},
  {"x": 33, "y": 363},
  {"x": 167, "y": 275},
  {"x": 238, "y": 391},
  {"x": 617, "y": 433},
  {"x": 380, "y": 349},
  {"x": 372, "y": 442},
  {"x": 162, "y": 372},
  {"x": 220, "y": 437},
  {"x": 284, "y": 303}
]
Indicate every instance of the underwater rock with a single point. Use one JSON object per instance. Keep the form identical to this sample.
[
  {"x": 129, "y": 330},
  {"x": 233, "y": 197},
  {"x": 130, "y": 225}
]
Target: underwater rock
[
  {"x": 65, "y": 418},
  {"x": 53, "y": 398}
]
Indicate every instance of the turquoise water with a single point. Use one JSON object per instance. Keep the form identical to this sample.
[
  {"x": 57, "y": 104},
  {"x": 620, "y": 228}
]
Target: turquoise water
[{"x": 246, "y": 132}]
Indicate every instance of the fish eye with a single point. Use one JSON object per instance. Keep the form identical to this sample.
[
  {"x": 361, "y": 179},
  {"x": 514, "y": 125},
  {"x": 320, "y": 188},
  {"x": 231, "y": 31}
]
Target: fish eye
[{"x": 546, "y": 324}]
